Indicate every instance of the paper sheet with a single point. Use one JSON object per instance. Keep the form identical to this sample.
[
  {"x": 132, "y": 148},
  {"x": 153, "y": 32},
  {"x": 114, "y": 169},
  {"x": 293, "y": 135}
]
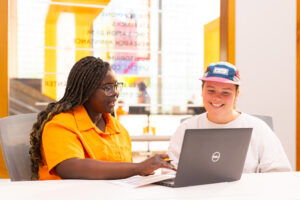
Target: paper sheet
[{"x": 137, "y": 181}]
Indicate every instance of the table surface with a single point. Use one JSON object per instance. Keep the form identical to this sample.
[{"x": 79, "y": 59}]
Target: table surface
[{"x": 251, "y": 186}]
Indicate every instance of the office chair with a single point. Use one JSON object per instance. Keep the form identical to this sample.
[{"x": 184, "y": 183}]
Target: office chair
[
  {"x": 267, "y": 119},
  {"x": 14, "y": 139}
]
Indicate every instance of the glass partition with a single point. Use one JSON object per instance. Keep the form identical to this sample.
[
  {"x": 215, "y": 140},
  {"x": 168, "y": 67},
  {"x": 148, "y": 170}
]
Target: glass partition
[{"x": 158, "y": 48}]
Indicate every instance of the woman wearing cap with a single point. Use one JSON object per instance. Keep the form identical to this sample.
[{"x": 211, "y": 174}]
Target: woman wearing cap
[{"x": 220, "y": 90}]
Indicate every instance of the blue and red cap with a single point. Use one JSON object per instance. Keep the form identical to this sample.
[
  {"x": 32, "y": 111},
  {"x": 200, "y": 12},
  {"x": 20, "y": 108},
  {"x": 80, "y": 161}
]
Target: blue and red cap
[{"x": 222, "y": 72}]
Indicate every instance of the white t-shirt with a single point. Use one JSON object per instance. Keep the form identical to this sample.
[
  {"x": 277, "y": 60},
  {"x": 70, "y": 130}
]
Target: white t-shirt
[{"x": 265, "y": 153}]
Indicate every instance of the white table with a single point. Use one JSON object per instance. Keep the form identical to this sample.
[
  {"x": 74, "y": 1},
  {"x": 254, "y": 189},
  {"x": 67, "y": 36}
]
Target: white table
[{"x": 251, "y": 186}]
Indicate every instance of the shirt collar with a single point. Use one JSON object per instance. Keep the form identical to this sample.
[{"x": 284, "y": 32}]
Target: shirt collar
[{"x": 84, "y": 122}]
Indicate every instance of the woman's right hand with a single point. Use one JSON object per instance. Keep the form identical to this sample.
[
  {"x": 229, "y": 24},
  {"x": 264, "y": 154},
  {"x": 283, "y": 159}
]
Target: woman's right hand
[{"x": 148, "y": 166}]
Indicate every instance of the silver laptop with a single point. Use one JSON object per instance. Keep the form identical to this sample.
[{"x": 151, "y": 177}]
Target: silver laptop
[{"x": 211, "y": 156}]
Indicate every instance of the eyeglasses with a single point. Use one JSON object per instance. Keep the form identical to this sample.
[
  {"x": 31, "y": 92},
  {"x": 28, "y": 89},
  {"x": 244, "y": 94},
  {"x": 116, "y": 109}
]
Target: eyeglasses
[{"x": 111, "y": 89}]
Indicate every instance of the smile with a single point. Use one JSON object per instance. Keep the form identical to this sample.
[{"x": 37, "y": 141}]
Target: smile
[{"x": 216, "y": 105}]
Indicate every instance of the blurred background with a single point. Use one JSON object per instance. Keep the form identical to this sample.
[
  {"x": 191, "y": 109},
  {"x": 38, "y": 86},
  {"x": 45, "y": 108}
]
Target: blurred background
[{"x": 159, "y": 49}]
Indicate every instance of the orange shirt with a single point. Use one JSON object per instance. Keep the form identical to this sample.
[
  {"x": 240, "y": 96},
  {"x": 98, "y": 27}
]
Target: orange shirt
[{"x": 74, "y": 135}]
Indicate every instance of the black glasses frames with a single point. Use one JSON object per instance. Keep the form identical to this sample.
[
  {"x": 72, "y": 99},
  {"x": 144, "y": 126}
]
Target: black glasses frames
[{"x": 110, "y": 89}]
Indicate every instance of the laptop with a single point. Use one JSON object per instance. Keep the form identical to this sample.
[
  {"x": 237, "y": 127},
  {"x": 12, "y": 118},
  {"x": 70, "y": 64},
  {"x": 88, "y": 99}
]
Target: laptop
[{"x": 211, "y": 156}]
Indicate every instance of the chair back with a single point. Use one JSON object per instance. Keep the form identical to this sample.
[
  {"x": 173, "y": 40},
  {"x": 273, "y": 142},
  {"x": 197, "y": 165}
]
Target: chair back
[
  {"x": 267, "y": 119},
  {"x": 14, "y": 138}
]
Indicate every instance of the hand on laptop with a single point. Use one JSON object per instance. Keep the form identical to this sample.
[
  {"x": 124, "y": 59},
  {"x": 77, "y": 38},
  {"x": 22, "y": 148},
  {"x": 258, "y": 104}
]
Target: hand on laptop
[{"x": 148, "y": 166}]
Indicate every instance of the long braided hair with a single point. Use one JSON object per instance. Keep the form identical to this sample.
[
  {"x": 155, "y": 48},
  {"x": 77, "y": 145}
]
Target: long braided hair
[{"x": 85, "y": 76}]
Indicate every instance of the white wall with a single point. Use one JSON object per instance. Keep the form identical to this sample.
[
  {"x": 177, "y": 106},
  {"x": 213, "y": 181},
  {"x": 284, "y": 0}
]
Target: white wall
[{"x": 266, "y": 57}]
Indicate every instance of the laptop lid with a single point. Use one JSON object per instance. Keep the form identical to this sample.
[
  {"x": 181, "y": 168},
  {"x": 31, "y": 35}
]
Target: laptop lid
[{"x": 212, "y": 156}]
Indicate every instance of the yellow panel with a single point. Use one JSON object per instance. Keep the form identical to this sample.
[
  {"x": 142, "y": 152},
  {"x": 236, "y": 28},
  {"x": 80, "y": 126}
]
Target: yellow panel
[
  {"x": 231, "y": 32},
  {"x": 3, "y": 73},
  {"x": 49, "y": 81},
  {"x": 4, "y": 58},
  {"x": 84, "y": 17},
  {"x": 298, "y": 90},
  {"x": 84, "y": 23},
  {"x": 211, "y": 42}
]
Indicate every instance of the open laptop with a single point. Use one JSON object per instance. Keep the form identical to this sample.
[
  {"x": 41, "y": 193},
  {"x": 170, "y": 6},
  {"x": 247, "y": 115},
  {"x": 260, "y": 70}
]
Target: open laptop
[{"x": 211, "y": 156}]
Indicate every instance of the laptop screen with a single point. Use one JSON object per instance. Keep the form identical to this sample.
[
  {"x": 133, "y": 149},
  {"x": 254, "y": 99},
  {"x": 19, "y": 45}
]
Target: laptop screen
[{"x": 212, "y": 156}]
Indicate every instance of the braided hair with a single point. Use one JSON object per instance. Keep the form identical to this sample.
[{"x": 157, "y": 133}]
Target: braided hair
[{"x": 85, "y": 76}]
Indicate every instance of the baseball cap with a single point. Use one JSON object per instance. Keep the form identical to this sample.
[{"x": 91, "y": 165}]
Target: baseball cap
[{"x": 222, "y": 72}]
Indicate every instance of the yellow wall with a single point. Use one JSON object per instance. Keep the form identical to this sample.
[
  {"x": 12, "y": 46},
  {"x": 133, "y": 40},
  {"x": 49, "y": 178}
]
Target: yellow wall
[
  {"x": 298, "y": 90},
  {"x": 4, "y": 58},
  {"x": 84, "y": 18},
  {"x": 211, "y": 42},
  {"x": 231, "y": 32},
  {"x": 3, "y": 72}
]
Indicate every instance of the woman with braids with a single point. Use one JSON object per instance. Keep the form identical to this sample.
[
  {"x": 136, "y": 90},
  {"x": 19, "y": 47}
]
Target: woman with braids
[{"x": 78, "y": 138}]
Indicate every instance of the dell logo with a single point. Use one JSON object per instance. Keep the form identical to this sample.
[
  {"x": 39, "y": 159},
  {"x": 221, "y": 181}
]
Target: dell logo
[{"x": 215, "y": 156}]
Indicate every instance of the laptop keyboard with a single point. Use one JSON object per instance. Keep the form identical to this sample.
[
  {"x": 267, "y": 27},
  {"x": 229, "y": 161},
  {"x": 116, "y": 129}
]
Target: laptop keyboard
[{"x": 168, "y": 182}]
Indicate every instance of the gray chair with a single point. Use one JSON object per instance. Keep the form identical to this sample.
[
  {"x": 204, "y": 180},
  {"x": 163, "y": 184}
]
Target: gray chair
[
  {"x": 267, "y": 119},
  {"x": 14, "y": 139}
]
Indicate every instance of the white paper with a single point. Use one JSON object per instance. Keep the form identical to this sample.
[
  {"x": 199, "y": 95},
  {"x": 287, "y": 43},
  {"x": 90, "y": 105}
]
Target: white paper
[{"x": 137, "y": 181}]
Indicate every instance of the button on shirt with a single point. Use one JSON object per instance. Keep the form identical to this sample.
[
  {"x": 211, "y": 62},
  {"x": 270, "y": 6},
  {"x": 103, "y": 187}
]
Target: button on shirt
[{"x": 74, "y": 135}]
